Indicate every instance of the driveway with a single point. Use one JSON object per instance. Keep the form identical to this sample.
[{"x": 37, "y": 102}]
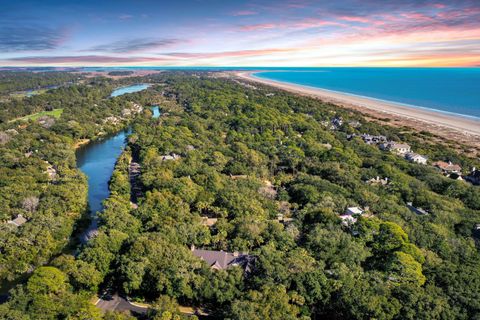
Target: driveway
[{"x": 109, "y": 302}]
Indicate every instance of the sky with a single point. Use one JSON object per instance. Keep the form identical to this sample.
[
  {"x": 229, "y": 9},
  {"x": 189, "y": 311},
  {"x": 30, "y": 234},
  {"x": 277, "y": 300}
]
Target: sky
[{"x": 240, "y": 33}]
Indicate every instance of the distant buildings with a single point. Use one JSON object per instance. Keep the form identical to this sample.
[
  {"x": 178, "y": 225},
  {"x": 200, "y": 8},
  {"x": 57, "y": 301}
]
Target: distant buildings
[
  {"x": 447, "y": 167},
  {"x": 415, "y": 157},
  {"x": 18, "y": 221},
  {"x": 378, "y": 181},
  {"x": 418, "y": 211},
  {"x": 474, "y": 177},
  {"x": 369, "y": 139},
  {"x": 336, "y": 123},
  {"x": 221, "y": 260},
  {"x": 209, "y": 222},
  {"x": 350, "y": 215},
  {"x": 171, "y": 156},
  {"x": 397, "y": 147}
]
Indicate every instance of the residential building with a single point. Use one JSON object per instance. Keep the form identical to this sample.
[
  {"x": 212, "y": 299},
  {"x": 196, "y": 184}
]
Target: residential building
[
  {"x": 474, "y": 177},
  {"x": 368, "y": 139},
  {"x": 447, "y": 167},
  {"x": 415, "y": 157},
  {"x": 18, "y": 221},
  {"x": 353, "y": 210},
  {"x": 418, "y": 211},
  {"x": 378, "y": 181},
  {"x": 209, "y": 222},
  {"x": 171, "y": 156},
  {"x": 397, "y": 147},
  {"x": 221, "y": 260}
]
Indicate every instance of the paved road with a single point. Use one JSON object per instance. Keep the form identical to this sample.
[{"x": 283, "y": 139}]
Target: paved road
[{"x": 117, "y": 303}]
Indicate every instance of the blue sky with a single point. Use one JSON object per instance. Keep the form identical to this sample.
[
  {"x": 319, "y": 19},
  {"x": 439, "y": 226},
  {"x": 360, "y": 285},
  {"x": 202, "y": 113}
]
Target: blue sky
[{"x": 240, "y": 33}]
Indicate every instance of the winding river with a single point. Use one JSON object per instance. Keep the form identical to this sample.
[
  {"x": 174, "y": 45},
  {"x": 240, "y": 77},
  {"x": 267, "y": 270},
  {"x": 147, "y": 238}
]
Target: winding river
[{"x": 97, "y": 160}]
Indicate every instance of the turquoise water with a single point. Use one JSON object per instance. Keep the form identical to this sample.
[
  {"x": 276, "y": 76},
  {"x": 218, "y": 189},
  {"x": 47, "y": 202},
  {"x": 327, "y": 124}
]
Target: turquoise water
[
  {"x": 448, "y": 90},
  {"x": 156, "y": 112},
  {"x": 129, "y": 89}
]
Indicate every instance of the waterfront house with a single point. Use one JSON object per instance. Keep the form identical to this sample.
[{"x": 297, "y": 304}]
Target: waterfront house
[
  {"x": 447, "y": 167},
  {"x": 392, "y": 146},
  {"x": 221, "y": 260},
  {"x": 415, "y": 157}
]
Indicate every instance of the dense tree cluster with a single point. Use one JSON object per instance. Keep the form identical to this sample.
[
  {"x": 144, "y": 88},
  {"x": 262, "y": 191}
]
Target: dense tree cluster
[
  {"x": 39, "y": 180},
  {"x": 264, "y": 164},
  {"x": 12, "y": 81}
]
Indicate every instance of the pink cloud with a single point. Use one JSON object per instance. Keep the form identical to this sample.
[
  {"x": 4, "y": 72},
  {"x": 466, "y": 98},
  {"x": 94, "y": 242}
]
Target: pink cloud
[
  {"x": 224, "y": 54},
  {"x": 85, "y": 59},
  {"x": 259, "y": 26},
  {"x": 417, "y": 16},
  {"x": 355, "y": 19}
]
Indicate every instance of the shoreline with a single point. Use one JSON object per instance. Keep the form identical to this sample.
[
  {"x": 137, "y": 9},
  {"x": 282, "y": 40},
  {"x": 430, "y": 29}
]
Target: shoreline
[{"x": 448, "y": 126}]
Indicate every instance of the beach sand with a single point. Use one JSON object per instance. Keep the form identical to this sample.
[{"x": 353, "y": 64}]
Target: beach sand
[{"x": 455, "y": 128}]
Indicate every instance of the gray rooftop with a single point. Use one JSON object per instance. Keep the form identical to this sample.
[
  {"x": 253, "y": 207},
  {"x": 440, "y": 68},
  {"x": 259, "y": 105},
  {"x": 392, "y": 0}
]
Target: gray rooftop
[{"x": 223, "y": 259}]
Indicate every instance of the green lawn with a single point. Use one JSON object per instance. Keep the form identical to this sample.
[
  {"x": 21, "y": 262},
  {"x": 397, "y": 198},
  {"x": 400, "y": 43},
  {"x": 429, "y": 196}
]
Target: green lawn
[{"x": 56, "y": 113}]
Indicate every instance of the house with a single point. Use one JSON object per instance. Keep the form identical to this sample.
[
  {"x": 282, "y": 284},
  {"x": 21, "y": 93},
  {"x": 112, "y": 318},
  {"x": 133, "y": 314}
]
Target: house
[
  {"x": 18, "y": 221},
  {"x": 368, "y": 139},
  {"x": 415, "y": 157},
  {"x": 353, "y": 210},
  {"x": 221, "y": 260},
  {"x": 378, "y": 181},
  {"x": 447, "y": 167},
  {"x": 349, "y": 217},
  {"x": 348, "y": 220},
  {"x": 171, "y": 156},
  {"x": 399, "y": 148},
  {"x": 51, "y": 171},
  {"x": 474, "y": 177},
  {"x": 209, "y": 222},
  {"x": 336, "y": 122},
  {"x": 418, "y": 211},
  {"x": 282, "y": 219}
]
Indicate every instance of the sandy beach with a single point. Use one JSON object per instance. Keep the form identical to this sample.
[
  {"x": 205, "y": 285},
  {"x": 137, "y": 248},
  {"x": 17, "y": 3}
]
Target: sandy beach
[{"x": 452, "y": 127}]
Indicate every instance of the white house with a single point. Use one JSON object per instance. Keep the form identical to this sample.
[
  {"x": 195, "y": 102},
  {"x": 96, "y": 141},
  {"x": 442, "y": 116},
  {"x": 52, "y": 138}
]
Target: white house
[
  {"x": 353, "y": 210},
  {"x": 400, "y": 148},
  {"x": 415, "y": 157}
]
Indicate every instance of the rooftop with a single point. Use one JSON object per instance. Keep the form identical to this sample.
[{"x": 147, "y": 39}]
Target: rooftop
[
  {"x": 447, "y": 166},
  {"x": 18, "y": 221},
  {"x": 221, "y": 260}
]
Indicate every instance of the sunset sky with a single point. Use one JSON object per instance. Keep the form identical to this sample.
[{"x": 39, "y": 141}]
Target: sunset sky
[{"x": 240, "y": 33}]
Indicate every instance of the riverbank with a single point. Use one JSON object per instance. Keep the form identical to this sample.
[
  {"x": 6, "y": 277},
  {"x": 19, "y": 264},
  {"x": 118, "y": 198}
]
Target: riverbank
[{"x": 455, "y": 128}]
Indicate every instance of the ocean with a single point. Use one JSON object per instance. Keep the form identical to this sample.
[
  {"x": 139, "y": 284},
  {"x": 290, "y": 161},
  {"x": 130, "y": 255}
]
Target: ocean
[{"x": 448, "y": 90}]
